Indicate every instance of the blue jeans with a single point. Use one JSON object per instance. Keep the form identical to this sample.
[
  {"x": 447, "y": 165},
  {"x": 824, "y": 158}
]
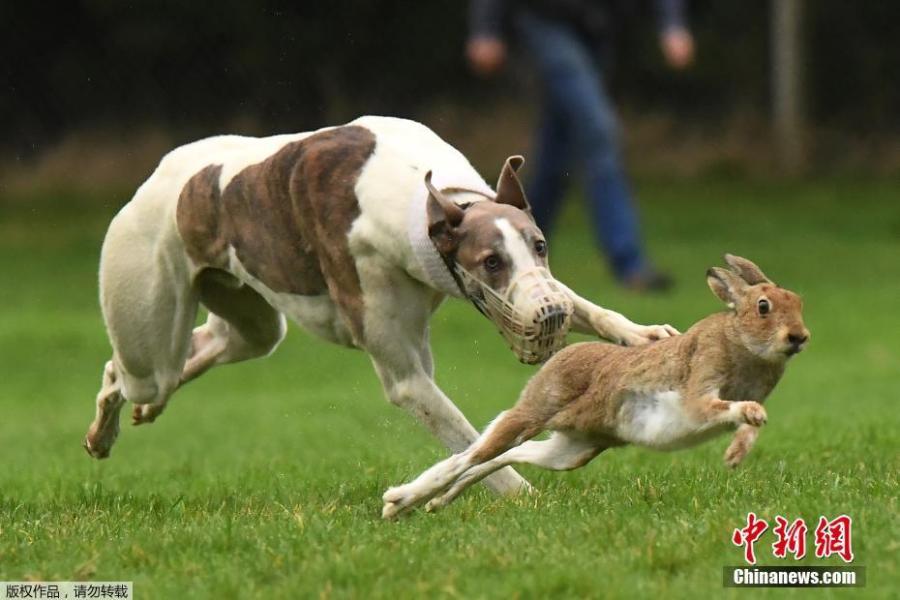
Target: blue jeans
[{"x": 578, "y": 122}]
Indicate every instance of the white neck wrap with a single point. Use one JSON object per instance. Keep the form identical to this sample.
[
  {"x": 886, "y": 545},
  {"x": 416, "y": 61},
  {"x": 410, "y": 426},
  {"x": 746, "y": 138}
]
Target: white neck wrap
[{"x": 433, "y": 267}]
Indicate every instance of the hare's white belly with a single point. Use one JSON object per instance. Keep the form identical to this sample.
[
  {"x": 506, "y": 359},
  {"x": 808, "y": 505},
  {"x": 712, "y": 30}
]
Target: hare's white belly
[{"x": 657, "y": 419}]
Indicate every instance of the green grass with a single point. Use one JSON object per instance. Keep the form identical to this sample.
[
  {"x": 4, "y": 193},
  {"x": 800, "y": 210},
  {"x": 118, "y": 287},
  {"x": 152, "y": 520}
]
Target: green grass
[{"x": 264, "y": 478}]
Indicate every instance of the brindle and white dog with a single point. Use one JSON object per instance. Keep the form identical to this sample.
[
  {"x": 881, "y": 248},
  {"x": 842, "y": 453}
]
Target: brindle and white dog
[{"x": 334, "y": 229}]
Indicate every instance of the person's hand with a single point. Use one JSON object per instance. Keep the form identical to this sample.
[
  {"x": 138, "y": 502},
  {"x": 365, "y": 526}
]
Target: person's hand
[
  {"x": 486, "y": 55},
  {"x": 678, "y": 47}
]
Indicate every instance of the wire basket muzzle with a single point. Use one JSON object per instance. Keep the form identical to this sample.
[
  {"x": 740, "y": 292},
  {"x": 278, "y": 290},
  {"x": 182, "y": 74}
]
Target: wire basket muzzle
[{"x": 534, "y": 315}]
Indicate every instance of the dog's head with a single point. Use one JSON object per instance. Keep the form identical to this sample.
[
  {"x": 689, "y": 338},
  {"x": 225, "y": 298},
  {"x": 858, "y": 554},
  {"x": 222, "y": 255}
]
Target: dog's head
[{"x": 500, "y": 257}]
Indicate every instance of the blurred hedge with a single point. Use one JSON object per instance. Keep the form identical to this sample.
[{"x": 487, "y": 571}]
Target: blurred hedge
[{"x": 193, "y": 67}]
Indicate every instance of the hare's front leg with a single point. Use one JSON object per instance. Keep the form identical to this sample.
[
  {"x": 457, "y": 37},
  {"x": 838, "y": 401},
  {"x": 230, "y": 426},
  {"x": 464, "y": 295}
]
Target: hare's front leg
[
  {"x": 750, "y": 413},
  {"x": 740, "y": 446},
  {"x": 710, "y": 411},
  {"x": 747, "y": 416}
]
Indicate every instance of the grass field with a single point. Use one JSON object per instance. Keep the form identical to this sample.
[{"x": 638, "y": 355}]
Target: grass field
[{"x": 264, "y": 479}]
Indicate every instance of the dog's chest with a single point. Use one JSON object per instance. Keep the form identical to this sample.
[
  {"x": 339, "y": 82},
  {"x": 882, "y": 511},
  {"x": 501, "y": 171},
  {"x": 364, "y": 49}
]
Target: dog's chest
[{"x": 657, "y": 419}]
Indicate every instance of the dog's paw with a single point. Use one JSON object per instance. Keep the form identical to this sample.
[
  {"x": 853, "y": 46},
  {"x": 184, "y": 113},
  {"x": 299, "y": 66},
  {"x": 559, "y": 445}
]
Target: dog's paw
[
  {"x": 753, "y": 413},
  {"x": 145, "y": 413},
  {"x": 95, "y": 452}
]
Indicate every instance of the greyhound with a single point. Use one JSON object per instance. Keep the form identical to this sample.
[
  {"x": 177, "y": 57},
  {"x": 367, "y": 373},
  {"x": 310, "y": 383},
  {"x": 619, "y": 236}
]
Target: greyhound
[{"x": 357, "y": 233}]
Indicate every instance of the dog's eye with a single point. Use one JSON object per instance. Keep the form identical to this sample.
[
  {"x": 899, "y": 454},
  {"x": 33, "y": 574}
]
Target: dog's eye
[
  {"x": 763, "y": 306},
  {"x": 540, "y": 246},
  {"x": 492, "y": 263}
]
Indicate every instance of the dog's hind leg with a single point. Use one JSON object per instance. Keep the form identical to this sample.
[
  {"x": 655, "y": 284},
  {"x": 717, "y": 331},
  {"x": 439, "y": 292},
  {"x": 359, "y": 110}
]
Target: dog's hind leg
[
  {"x": 241, "y": 325},
  {"x": 149, "y": 307},
  {"x": 104, "y": 430}
]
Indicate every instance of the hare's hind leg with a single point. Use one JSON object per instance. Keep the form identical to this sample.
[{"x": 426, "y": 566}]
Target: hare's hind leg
[
  {"x": 562, "y": 452},
  {"x": 509, "y": 429}
]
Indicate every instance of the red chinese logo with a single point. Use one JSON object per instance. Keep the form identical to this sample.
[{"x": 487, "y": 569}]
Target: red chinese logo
[
  {"x": 833, "y": 537},
  {"x": 791, "y": 538},
  {"x": 747, "y": 536}
]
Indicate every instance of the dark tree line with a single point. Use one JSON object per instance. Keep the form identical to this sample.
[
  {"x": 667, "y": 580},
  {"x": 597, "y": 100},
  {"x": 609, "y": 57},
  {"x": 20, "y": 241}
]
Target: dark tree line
[{"x": 193, "y": 66}]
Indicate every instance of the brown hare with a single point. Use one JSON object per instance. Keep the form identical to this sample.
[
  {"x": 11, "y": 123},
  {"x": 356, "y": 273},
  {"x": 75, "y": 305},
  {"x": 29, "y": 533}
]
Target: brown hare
[{"x": 672, "y": 394}]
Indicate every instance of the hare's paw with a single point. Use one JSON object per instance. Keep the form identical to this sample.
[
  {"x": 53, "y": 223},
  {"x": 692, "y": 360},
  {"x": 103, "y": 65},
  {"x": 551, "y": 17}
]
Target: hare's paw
[
  {"x": 437, "y": 503},
  {"x": 394, "y": 503},
  {"x": 390, "y": 510},
  {"x": 398, "y": 500},
  {"x": 736, "y": 453},
  {"x": 752, "y": 413}
]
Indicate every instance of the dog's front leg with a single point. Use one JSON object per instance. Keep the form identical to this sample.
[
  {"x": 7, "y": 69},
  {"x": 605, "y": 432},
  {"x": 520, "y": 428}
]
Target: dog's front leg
[
  {"x": 397, "y": 341},
  {"x": 409, "y": 387},
  {"x": 608, "y": 324}
]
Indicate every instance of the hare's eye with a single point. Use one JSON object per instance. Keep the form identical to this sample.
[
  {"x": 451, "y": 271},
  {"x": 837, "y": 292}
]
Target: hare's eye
[{"x": 763, "y": 306}]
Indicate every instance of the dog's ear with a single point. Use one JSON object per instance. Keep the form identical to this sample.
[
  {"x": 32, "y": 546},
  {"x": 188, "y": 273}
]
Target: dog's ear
[
  {"x": 747, "y": 269},
  {"x": 509, "y": 188},
  {"x": 726, "y": 285},
  {"x": 444, "y": 217}
]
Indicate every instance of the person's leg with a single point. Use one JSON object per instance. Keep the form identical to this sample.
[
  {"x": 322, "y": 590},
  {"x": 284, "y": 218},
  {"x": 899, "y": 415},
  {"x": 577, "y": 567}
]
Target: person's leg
[
  {"x": 551, "y": 174},
  {"x": 573, "y": 85},
  {"x": 615, "y": 217},
  {"x": 552, "y": 144}
]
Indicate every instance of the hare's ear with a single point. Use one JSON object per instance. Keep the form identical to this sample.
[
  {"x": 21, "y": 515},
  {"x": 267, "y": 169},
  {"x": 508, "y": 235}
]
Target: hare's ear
[
  {"x": 726, "y": 285},
  {"x": 509, "y": 188},
  {"x": 444, "y": 216},
  {"x": 746, "y": 269}
]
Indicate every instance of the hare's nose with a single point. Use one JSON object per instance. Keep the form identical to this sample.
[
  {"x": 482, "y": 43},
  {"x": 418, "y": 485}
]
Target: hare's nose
[{"x": 797, "y": 338}]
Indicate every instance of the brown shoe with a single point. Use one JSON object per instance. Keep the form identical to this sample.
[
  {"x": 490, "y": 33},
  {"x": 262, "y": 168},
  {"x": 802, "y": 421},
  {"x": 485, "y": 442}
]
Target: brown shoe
[{"x": 649, "y": 281}]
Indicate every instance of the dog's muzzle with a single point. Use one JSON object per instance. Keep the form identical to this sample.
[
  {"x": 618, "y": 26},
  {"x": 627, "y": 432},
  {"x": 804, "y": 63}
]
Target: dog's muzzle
[{"x": 534, "y": 315}]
